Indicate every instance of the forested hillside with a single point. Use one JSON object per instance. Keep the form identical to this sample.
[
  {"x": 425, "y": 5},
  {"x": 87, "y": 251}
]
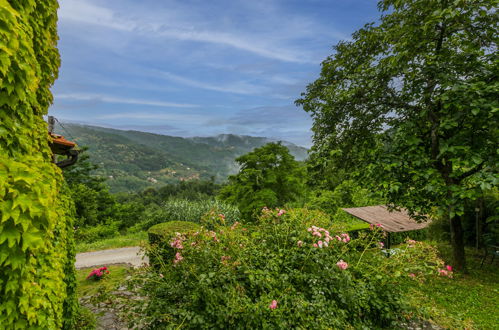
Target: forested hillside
[{"x": 133, "y": 160}]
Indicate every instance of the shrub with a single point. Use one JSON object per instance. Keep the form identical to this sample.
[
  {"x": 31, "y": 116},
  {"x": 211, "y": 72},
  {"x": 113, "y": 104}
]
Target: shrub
[
  {"x": 85, "y": 319},
  {"x": 98, "y": 273},
  {"x": 92, "y": 234},
  {"x": 193, "y": 211},
  {"x": 280, "y": 274},
  {"x": 161, "y": 235}
]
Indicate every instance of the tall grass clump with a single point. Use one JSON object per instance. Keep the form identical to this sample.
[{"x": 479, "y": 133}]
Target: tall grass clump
[{"x": 187, "y": 210}]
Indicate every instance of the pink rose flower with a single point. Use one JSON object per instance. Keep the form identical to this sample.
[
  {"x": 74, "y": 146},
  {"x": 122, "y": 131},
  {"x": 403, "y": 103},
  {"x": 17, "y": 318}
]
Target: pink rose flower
[
  {"x": 449, "y": 268},
  {"x": 315, "y": 245},
  {"x": 299, "y": 243},
  {"x": 412, "y": 275},
  {"x": 273, "y": 305},
  {"x": 342, "y": 265},
  {"x": 443, "y": 272},
  {"x": 178, "y": 258}
]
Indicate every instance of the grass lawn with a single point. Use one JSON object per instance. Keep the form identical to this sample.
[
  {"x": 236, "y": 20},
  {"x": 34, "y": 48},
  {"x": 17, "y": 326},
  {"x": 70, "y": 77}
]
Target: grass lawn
[
  {"x": 466, "y": 301},
  {"x": 110, "y": 282},
  {"x": 126, "y": 240}
]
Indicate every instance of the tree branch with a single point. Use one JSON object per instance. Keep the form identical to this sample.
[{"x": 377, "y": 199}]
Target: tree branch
[{"x": 471, "y": 172}]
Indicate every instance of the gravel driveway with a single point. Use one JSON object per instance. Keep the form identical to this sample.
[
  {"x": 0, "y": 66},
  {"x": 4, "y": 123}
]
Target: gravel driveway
[{"x": 128, "y": 255}]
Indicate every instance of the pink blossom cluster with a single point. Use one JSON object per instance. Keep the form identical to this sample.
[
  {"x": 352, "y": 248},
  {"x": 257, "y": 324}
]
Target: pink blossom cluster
[
  {"x": 378, "y": 225},
  {"x": 320, "y": 233},
  {"x": 214, "y": 235},
  {"x": 273, "y": 305},
  {"x": 342, "y": 264},
  {"x": 98, "y": 273},
  {"x": 411, "y": 242},
  {"x": 234, "y": 226},
  {"x": 446, "y": 272},
  {"x": 381, "y": 245},
  {"x": 222, "y": 217},
  {"x": 267, "y": 211},
  {"x": 177, "y": 243},
  {"x": 178, "y": 258}
]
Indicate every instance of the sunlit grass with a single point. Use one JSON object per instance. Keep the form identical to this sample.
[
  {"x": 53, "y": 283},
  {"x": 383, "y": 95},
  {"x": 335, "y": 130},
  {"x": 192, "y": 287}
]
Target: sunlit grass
[
  {"x": 110, "y": 282},
  {"x": 466, "y": 301},
  {"x": 126, "y": 240}
]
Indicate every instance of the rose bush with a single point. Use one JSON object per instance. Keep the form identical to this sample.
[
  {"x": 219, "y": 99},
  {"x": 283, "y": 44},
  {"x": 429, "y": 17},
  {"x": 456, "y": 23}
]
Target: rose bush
[
  {"x": 98, "y": 273},
  {"x": 285, "y": 271}
]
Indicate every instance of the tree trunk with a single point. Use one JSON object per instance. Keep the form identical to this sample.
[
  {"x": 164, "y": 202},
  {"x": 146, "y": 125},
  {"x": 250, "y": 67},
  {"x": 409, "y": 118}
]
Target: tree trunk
[{"x": 456, "y": 234}]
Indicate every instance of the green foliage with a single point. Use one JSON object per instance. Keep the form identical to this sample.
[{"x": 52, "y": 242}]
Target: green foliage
[
  {"x": 185, "y": 210},
  {"x": 161, "y": 235},
  {"x": 36, "y": 252},
  {"x": 228, "y": 278},
  {"x": 123, "y": 240},
  {"x": 268, "y": 176},
  {"x": 98, "y": 232},
  {"x": 410, "y": 106},
  {"x": 463, "y": 302},
  {"x": 167, "y": 230},
  {"x": 85, "y": 319}
]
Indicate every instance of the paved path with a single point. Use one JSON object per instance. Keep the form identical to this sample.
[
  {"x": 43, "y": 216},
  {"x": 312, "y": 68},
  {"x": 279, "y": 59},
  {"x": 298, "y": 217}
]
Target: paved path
[{"x": 128, "y": 255}]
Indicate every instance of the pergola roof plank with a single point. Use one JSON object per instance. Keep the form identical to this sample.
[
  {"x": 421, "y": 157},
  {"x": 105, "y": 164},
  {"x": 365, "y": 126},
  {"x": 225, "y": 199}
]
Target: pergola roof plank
[{"x": 392, "y": 221}]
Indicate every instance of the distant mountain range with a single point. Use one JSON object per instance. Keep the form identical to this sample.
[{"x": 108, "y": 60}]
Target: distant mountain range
[{"x": 133, "y": 160}]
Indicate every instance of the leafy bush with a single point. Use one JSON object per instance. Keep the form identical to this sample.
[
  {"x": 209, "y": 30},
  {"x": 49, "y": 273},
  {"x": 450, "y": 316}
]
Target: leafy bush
[
  {"x": 92, "y": 234},
  {"x": 193, "y": 211},
  {"x": 161, "y": 235},
  {"x": 85, "y": 319},
  {"x": 279, "y": 274}
]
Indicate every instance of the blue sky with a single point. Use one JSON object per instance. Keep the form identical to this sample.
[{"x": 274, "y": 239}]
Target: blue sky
[{"x": 198, "y": 68}]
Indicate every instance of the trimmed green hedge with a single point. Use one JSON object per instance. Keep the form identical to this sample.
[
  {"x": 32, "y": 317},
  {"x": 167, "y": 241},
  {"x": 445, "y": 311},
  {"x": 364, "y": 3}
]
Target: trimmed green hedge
[
  {"x": 160, "y": 236},
  {"x": 37, "y": 285}
]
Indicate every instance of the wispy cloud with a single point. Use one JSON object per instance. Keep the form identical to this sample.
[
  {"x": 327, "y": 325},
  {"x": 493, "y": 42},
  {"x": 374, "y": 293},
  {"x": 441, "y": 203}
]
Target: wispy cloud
[
  {"x": 236, "y": 87},
  {"x": 121, "y": 100},
  {"x": 156, "y": 117},
  {"x": 87, "y": 13}
]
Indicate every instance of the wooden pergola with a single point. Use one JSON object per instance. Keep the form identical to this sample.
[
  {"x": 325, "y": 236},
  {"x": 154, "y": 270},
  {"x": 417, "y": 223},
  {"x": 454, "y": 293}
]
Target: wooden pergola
[{"x": 390, "y": 221}]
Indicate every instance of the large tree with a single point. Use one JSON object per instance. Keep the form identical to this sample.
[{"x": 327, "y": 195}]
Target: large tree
[
  {"x": 410, "y": 105},
  {"x": 269, "y": 176}
]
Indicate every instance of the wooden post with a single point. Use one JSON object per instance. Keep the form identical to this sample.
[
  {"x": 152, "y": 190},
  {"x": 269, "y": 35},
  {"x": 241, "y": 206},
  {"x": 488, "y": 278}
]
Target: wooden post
[{"x": 51, "y": 123}]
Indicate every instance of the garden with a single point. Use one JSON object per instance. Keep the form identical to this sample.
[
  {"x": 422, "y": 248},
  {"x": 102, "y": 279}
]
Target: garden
[{"x": 404, "y": 114}]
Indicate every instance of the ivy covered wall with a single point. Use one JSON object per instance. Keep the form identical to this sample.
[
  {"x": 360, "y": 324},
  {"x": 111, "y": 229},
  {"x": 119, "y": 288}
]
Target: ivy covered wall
[{"x": 36, "y": 270}]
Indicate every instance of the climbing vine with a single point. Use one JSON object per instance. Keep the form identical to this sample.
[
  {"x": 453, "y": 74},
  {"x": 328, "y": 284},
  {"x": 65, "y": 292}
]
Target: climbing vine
[{"x": 37, "y": 287}]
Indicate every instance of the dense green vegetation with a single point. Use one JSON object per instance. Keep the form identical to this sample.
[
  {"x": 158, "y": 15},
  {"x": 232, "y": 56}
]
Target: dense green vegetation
[
  {"x": 277, "y": 273},
  {"x": 37, "y": 285},
  {"x": 268, "y": 176},
  {"x": 405, "y": 114},
  {"x": 133, "y": 161},
  {"x": 409, "y": 107}
]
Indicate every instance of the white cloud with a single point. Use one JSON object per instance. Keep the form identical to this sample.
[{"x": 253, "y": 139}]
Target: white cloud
[
  {"x": 156, "y": 117},
  {"x": 237, "y": 88},
  {"x": 121, "y": 100},
  {"x": 180, "y": 28}
]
